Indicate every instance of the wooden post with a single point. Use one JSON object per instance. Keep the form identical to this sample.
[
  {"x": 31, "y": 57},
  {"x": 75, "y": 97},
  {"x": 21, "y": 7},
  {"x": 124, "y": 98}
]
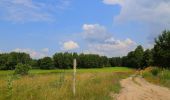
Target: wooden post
[{"x": 74, "y": 76}]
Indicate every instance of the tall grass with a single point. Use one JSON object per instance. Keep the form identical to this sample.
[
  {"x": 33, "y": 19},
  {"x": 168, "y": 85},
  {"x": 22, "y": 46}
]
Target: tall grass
[
  {"x": 158, "y": 76},
  {"x": 89, "y": 86}
]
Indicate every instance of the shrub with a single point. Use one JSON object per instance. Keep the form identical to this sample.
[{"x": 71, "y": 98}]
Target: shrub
[
  {"x": 155, "y": 71},
  {"x": 22, "y": 69}
]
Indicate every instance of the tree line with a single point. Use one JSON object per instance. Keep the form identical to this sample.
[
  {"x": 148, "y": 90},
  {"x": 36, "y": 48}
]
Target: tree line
[
  {"x": 139, "y": 58},
  {"x": 159, "y": 55},
  {"x": 8, "y": 61}
]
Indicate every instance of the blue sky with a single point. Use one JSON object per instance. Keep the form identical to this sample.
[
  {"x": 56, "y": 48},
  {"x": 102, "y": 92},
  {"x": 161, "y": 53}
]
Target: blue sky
[{"x": 106, "y": 27}]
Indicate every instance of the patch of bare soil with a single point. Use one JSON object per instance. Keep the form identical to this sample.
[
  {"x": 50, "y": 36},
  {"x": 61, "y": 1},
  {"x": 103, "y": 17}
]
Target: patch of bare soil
[{"x": 136, "y": 88}]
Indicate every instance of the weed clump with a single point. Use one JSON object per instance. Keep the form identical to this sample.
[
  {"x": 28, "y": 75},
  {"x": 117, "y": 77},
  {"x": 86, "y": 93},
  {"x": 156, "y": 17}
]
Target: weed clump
[{"x": 155, "y": 71}]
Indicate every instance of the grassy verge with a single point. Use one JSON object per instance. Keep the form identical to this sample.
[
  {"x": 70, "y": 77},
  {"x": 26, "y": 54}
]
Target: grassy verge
[
  {"x": 90, "y": 85},
  {"x": 162, "y": 77}
]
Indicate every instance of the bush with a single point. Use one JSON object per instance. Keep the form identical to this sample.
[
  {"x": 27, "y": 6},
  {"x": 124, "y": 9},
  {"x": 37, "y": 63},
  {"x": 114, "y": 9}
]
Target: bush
[
  {"x": 22, "y": 69},
  {"x": 155, "y": 71}
]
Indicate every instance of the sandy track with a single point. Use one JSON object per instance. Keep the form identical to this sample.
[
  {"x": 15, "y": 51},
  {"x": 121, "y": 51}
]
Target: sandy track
[{"x": 139, "y": 89}]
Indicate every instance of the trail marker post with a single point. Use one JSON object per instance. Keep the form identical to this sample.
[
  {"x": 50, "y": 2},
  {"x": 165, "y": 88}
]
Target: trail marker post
[{"x": 74, "y": 76}]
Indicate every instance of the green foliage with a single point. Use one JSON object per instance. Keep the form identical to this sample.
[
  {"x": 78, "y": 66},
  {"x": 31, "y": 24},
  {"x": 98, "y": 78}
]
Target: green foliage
[
  {"x": 3, "y": 61},
  {"x": 161, "y": 51},
  {"x": 22, "y": 69},
  {"x": 45, "y": 63},
  {"x": 147, "y": 58},
  {"x": 65, "y": 60},
  {"x": 158, "y": 56},
  {"x": 34, "y": 64},
  {"x": 138, "y": 53},
  {"x": 115, "y": 61},
  {"x": 155, "y": 71},
  {"x": 134, "y": 58},
  {"x": 92, "y": 61},
  {"x": 9, "y": 61}
]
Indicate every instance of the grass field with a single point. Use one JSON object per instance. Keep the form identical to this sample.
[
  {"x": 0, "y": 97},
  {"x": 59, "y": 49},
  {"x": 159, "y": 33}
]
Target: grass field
[
  {"x": 38, "y": 71},
  {"x": 91, "y": 84}
]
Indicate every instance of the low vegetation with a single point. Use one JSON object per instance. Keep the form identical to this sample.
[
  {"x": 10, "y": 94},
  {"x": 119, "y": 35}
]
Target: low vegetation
[
  {"x": 157, "y": 76},
  {"x": 91, "y": 84}
]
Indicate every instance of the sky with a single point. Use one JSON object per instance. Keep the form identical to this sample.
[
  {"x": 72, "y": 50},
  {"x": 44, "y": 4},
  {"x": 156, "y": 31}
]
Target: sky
[{"x": 106, "y": 27}]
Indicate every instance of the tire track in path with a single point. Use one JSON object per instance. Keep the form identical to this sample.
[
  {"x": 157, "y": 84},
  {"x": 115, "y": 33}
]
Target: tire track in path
[{"x": 137, "y": 88}]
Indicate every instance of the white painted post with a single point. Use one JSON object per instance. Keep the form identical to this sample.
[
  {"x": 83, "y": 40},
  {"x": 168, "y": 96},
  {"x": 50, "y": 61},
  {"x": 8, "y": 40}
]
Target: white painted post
[{"x": 74, "y": 76}]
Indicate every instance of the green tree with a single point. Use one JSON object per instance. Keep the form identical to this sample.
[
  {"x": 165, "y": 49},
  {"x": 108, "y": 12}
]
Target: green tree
[
  {"x": 3, "y": 61},
  {"x": 115, "y": 61},
  {"x": 147, "y": 58},
  {"x": 64, "y": 60},
  {"x": 8, "y": 61},
  {"x": 138, "y": 53},
  {"x": 134, "y": 58},
  {"x": 34, "y": 64},
  {"x": 45, "y": 63},
  {"x": 58, "y": 60},
  {"x": 68, "y": 60},
  {"x": 131, "y": 60},
  {"x": 161, "y": 51}
]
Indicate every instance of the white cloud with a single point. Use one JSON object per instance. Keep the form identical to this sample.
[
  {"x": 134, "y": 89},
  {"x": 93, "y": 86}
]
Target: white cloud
[
  {"x": 154, "y": 14},
  {"x": 114, "y": 48},
  {"x": 46, "y": 50},
  {"x": 33, "y": 53},
  {"x": 150, "y": 11},
  {"x": 30, "y": 10},
  {"x": 100, "y": 41},
  {"x": 95, "y": 32},
  {"x": 70, "y": 45}
]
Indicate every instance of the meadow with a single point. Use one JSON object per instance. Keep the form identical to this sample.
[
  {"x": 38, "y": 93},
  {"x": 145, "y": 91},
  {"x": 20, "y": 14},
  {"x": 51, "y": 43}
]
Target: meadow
[{"x": 91, "y": 84}]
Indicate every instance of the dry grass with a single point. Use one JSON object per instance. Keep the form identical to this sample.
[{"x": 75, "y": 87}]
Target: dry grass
[{"x": 89, "y": 86}]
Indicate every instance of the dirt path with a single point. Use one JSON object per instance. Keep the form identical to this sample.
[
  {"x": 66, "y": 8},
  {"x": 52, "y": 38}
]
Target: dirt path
[{"x": 139, "y": 89}]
